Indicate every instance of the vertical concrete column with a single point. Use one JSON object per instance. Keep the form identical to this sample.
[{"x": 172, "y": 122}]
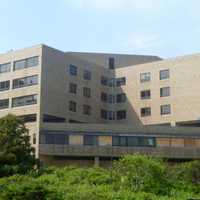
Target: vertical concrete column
[{"x": 96, "y": 161}]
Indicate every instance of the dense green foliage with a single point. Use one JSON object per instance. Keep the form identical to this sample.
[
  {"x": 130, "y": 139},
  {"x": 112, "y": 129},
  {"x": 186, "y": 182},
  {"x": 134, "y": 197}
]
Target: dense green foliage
[
  {"x": 16, "y": 153},
  {"x": 131, "y": 178}
]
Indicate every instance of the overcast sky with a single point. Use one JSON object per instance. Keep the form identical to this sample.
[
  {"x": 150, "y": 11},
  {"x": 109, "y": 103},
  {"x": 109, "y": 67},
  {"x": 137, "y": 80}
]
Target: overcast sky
[{"x": 166, "y": 28}]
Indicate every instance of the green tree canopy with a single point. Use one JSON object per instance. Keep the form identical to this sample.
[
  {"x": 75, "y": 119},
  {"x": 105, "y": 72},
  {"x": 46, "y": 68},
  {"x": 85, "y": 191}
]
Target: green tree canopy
[{"x": 16, "y": 153}]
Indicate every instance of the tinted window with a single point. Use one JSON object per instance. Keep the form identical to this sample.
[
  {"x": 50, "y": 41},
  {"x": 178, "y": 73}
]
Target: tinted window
[
  {"x": 145, "y": 112},
  {"x": 87, "y": 75},
  {"x": 90, "y": 140},
  {"x": 164, "y": 74},
  {"x": 4, "y": 103},
  {"x": 72, "y": 106},
  {"x": 26, "y": 81},
  {"x": 145, "y": 94},
  {"x": 73, "y": 70},
  {"x": 24, "y": 100},
  {"x": 4, "y": 85}
]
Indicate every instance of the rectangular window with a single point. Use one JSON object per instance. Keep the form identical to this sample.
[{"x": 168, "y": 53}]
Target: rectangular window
[
  {"x": 25, "y": 63},
  {"x": 86, "y": 110},
  {"x": 104, "y": 80},
  {"x": 86, "y": 92},
  {"x": 72, "y": 88},
  {"x": 111, "y": 98},
  {"x": 104, "y": 97},
  {"x": 145, "y": 77},
  {"x": 90, "y": 140},
  {"x": 87, "y": 75},
  {"x": 72, "y": 106},
  {"x": 111, "y": 63},
  {"x": 4, "y": 85},
  {"x": 121, "y": 114},
  {"x": 26, "y": 81},
  {"x": 5, "y": 68},
  {"x": 145, "y": 112},
  {"x": 29, "y": 118},
  {"x": 164, "y": 74},
  {"x": 119, "y": 141},
  {"x": 104, "y": 114},
  {"x": 4, "y": 103},
  {"x": 120, "y": 81},
  {"x": 165, "y": 109},
  {"x": 145, "y": 94},
  {"x": 121, "y": 98},
  {"x": 165, "y": 92},
  {"x": 24, "y": 100},
  {"x": 111, "y": 115},
  {"x": 73, "y": 70}
]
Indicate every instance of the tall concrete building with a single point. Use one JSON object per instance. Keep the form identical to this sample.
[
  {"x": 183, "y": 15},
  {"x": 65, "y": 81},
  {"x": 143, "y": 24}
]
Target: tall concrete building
[{"x": 86, "y": 107}]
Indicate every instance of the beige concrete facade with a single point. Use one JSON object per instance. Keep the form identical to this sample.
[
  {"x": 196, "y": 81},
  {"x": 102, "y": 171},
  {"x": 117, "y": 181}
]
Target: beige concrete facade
[{"x": 53, "y": 96}]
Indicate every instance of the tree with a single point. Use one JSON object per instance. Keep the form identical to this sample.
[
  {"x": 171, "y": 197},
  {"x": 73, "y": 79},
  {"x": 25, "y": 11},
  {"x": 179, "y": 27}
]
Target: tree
[{"x": 16, "y": 153}]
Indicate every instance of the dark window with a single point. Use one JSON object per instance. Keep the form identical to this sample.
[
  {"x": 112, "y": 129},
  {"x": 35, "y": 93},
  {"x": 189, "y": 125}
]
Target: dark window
[
  {"x": 87, "y": 75},
  {"x": 111, "y": 98},
  {"x": 4, "y": 103},
  {"x": 26, "y": 81},
  {"x": 165, "y": 109},
  {"x": 164, "y": 74},
  {"x": 4, "y": 85},
  {"x": 104, "y": 80},
  {"x": 24, "y": 100},
  {"x": 5, "y": 68},
  {"x": 34, "y": 138},
  {"x": 121, "y": 114},
  {"x": 132, "y": 141},
  {"x": 86, "y": 110},
  {"x": 104, "y": 114},
  {"x": 145, "y": 77},
  {"x": 111, "y": 63},
  {"x": 25, "y": 63},
  {"x": 72, "y": 88},
  {"x": 73, "y": 70},
  {"x": 61, "y": 139},
  {"x": 75, "y": 121},
  {"x": 119, "y": 141},
  {"x": 29, "y": 118},
  {"x": 86, "y": 92},
  {"x": 146, "y": 112},
  {"x": 104, "y": 97},
  {"x": 121, "y": 98},
  {"x": 90, "y": 140},
  {"x": 165, "y": 92},
  {"x": 145, "y": 94},
  {"x": 53, "y": 119},
  {"x": 120, "y": 81},
  {"x": 111, "y": 115},
  {"x": 72, "y": 106}
]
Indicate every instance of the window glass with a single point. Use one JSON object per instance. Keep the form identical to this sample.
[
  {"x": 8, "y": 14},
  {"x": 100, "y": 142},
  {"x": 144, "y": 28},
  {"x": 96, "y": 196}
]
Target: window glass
[
  {"x": 86, "y": 92},
  {"x": 104, "y": 114},
  {"x": 121, "y": 98},
  {"x": 120, "y": 81},
  {"x": 4, "y": 103},
  {"x": 72, "y": 88},
  {"x": 90, "y": 140},
  {"x": 5, "y": 68},
  {"x": 164, "y": 74},
  {"x": 121, "y": 114},
  {"x": 72, "y": 106},
  {"x": 25, "y": 63},
  {"x": 145, "y": 112},
  {"x": 165, "y": 109},
  {"x": 145, "y": 77},
  {"x": 104, "y": 80},
  {"x": 145, "y": 94},
  {"x": 26, "y": 81},
  {"x": 4, "y": 85},
  {"x": 73, "y": 70},
  {"x": 165, "y": 92},
  {"x": 87, "y": 75},
  {"x": 111, "y": 63},
  {"x": 104, "y": 97},
  {"x": 24, "y": 100}
]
